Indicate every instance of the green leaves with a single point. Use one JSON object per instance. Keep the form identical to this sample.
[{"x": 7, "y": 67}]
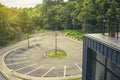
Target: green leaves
[
  {"x": 85, "y": 15},
  {"x": 112, "y": 16}
]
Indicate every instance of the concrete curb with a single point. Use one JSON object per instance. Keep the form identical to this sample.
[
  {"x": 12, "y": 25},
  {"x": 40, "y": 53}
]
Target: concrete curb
[
  {"x": 7, "y": 71},
  {"x": 16, "y": 76},
  {"x": 23, "y": 76}
]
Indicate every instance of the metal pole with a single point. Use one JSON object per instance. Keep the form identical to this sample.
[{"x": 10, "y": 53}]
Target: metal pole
[
  {"x": 28, "y": 40},
  {"x": 103, "y": 28},
  {"x": 28, "y": 36},
  {"x": 56, "y": 42},
  {"x": 118, "y": 28}
]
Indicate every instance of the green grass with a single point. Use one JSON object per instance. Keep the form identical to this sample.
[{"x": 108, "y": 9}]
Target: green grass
[
  {"x": 12, "y": 41},
  {"x": 52, "y": 54},
  {"x": 76, "y": 34},
  {"x": 41, "y": 30}
]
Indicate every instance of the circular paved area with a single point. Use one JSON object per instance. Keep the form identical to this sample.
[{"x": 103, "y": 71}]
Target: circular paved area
[{"x": 32, "y": 61}]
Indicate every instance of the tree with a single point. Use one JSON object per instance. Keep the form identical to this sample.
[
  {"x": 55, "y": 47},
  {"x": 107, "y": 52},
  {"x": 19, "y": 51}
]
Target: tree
[
  {"x": 88, "y": 16},
  {"x": 112, "y": 15},
  {"x": 3, "y": 25}
]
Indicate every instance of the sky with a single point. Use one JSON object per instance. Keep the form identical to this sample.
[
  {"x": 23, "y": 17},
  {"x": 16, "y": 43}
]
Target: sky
[{"x": 21, "y": 3}]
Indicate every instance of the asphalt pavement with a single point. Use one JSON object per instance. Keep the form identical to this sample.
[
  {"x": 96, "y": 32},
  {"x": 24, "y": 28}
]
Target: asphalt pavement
[{"x": 34, "y": 63}]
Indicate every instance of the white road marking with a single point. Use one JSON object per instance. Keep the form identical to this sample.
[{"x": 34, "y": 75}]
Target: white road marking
[
  {"x": 37, "y": 47},
  {"x": 64, "y": 71},
  {"x": 78, "y": 67},
  {"x": 25, "y": 67},
  {"x": 47, "y": 72},
  {"x": 34, "y": 70},
  {"x": 16, "y": 58},
  {"x": 18, "y": 63}
]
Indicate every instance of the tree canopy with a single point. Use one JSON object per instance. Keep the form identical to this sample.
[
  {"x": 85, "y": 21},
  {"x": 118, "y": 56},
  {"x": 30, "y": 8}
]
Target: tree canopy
[{"x": 84, "y": 15}]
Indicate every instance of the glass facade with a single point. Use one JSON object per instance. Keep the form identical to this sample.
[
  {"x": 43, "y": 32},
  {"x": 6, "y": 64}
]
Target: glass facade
[
  {"x": 101, "y": 60},
  {"x": 101, "y": 68},
  {"x": 97, "y": 71},
  {"x": 111, "y": 76}
]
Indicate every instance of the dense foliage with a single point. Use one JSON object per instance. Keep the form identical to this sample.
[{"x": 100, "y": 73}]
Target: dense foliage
[
  {"x": 74, "y": 34},
  {"x": 84, "y": 15}
]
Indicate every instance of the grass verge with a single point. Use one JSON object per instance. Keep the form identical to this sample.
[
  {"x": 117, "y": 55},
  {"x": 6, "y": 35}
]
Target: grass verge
[
  {"x": 41, "y": 30},
  {"x": 76, "y": 34},
  {"x": 53, "y": 54}
]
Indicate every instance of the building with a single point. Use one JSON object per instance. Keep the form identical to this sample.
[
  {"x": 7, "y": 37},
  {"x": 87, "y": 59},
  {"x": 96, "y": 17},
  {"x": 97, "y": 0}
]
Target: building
[{"x": 101, "y": 57}]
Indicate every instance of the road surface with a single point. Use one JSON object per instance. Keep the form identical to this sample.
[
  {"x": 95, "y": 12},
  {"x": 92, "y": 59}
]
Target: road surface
[{"x": 33, "y": 62}]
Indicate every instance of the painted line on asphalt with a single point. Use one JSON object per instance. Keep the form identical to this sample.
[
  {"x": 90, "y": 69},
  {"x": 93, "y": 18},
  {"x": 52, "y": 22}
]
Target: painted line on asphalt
[
  {"x": 37, "y": 48},
  {"x": 34, "y": 70},
  {"x": 64, "y": 71},
  {"x": 23, "y": 58},
  {"x": 18, "y": 63},
  {"x": 34, "y": 44},
  {"x": 47, "y": 72},
  {"x": 25, "y": 67},
  {"x": 78, "y": 67}
]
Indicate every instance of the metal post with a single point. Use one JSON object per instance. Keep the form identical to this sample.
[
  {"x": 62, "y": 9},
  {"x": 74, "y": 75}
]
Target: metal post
[
  {"x": 28, "y": 36},
  {"x": 56, "y": 41},
  {"x": 28, "y": 40},
  {"x": 118, "y": 28},
  {"x": 103, "y": 28}
]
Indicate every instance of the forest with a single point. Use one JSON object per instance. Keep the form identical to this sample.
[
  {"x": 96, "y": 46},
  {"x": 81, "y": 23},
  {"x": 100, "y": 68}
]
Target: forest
[{"x": 88, "y": 16}]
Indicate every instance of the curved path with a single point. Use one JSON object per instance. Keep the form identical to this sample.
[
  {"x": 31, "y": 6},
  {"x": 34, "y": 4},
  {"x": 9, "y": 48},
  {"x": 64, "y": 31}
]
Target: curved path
[{"x": 32, "y": 61}]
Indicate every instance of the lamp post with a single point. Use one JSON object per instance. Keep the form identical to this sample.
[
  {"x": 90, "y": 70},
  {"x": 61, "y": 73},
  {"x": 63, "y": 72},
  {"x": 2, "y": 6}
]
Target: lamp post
[
  {"x": 118, "y": 27},
  {"x": 103, "y": 28},
  {"x": 56, "y": 41},
  {"x": 28, "y": 40},
  {"x": 28, "y": 37}
]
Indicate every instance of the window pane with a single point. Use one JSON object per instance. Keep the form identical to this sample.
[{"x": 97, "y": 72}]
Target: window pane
[
  {"x": 99, "y": 71},
  {"x": 100, "y": 58},
  {"x": 110, "y": 76}
]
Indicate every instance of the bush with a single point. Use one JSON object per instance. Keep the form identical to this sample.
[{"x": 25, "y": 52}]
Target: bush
[{"x": 74, "y": 33}]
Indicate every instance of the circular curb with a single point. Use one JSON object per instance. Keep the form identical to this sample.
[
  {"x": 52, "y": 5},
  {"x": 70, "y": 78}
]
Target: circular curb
[
  {"x": 53, "y": 57},
  {"x": 24, "y": 76}
]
